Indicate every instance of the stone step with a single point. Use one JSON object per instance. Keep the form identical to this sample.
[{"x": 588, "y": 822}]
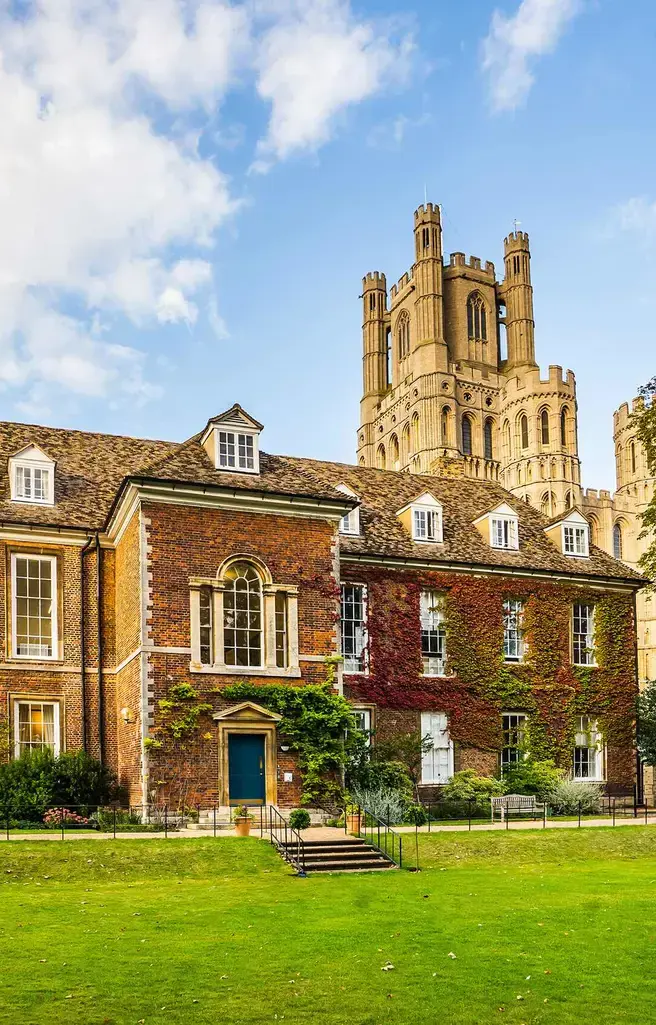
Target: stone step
[{"x": 347, "y": 865}]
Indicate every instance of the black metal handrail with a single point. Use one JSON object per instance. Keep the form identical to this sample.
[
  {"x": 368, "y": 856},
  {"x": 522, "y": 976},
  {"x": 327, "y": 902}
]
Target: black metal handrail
[
  {"x": 378, "y": 833},
  {"x": 288, "y": 841}
]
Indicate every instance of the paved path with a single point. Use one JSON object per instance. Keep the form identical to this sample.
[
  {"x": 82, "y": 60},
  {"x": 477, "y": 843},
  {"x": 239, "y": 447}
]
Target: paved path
[{"x": 330, "y": 832}]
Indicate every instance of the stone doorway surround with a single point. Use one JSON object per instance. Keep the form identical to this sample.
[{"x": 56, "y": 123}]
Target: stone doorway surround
[{"x": 247, "y": 717}]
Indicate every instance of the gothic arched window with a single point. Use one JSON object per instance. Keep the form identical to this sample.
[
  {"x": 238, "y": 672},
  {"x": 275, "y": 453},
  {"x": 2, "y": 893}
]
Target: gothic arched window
[
  {"x": 405, "y": 443},
  {"x": 242, "y": 615},
  {"x": 523, "y": 430},
  {"x": 568, "y": 500},
  {"x": 563, "y": 426},
  {"x": 445, "y": 425},
  {"x": 506, "y": 440},
  {"x": 487, "y": 440},
  {"x": 617, "y": 541},
  {"x": 466, "y": 436},
  {"x": 394, "y": 452},
  {"x": 544, "y": 426},
  {"x": 403, "y": 335},
  {"x": 633, "y": 457},
  {"x": 476, "y": 317},
  {"x": 547, "y": 504},
  {"x": 381, "y": 462},
  {"x": 415, "y": 432}
]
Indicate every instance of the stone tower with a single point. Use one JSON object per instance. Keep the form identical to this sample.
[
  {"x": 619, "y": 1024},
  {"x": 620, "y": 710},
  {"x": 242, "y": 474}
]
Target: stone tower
[{"x": 445, "y": 396}]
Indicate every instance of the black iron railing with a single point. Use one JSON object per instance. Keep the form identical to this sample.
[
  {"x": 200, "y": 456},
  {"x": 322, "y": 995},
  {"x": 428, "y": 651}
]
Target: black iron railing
[
  {"x": 375, "y": 831},
  {"x": 288, "y": 841}
]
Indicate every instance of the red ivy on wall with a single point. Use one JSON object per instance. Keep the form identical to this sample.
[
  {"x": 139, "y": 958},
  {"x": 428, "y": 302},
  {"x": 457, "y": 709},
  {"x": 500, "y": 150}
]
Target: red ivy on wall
[{"x": 481, "y": 685}]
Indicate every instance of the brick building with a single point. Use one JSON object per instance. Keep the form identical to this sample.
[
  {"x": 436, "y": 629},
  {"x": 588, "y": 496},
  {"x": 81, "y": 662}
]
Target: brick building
[{"x": 139, "y": 573}]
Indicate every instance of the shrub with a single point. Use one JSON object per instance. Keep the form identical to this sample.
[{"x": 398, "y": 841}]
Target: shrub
[
  {"x": 385, "y": 803},
  {"x": 31, "y": 784},
  {"x": 538, "y": 779},
  {"x": 415, "y": 815},
  {"x": 467, "y": 785},
  {"x": 567, "y": 796},
  {"x": 54, "y": 817},
  {"x": 299, "y": 819},
  {"x": 382, "y": 776}
]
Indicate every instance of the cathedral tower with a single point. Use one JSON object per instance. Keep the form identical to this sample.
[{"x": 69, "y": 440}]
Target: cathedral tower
[{"x": 516, "y": 293}]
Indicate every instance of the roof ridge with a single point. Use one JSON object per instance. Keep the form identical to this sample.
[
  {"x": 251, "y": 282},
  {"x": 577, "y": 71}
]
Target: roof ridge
[
  {"x": 86, "y": 434},
  {"x": 179, "y": 447}
]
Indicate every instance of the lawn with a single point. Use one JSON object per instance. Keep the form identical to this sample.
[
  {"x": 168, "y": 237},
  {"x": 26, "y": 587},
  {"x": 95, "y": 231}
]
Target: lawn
[{"x": 554, "y": 928}]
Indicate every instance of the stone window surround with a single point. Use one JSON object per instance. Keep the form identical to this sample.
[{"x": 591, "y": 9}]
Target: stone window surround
[
  {"x": 16, "y": 698},
  {"x": 269, "y": 591}
]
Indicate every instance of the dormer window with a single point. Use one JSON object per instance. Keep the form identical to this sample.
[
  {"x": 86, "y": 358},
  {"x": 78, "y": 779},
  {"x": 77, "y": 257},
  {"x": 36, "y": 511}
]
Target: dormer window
[
  {"x": 32, "y": 477},
  {"x": 350, "y": 523},
  {"x": 504, "y": 532},
  {"x": 500, "y": 527},
  {"x": 423, "y": 519},
  {"x": 575, "y": 540},
  {"x": 231, "y": 440}
]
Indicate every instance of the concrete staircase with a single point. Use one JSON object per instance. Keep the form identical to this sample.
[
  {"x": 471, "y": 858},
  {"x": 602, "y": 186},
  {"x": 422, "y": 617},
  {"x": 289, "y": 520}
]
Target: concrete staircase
[{"x": 346, "y": 854}]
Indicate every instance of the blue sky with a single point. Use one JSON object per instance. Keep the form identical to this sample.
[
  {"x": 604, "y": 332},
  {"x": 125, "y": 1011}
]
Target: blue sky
[{"x": 192, "y": 193}]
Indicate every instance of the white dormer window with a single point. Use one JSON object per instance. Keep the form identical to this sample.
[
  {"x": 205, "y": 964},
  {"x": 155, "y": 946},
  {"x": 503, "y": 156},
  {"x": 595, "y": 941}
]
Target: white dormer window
[
  {"x": 504, "y": 532},
  {"x": 350, "y": 523},
  {"x": 575, "y": 539},
  {"x": 32, "y": 477},
  {"x": 232, "y": 441},
  {"x": 427, "y": 524}
]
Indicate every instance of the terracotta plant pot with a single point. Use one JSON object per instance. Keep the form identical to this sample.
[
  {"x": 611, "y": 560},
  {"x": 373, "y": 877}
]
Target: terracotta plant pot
[
  {"x": 243, "y": 827},
  {"x": 353, "y": 823}
]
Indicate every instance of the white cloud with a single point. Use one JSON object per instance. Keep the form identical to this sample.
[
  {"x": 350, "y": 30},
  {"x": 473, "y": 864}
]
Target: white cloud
[
  {"x": 637, "y": 215},
  {"x": 107, "y": 207},
  {"x": 514, "y": 42},
  {"x": 313, "y": 62}
]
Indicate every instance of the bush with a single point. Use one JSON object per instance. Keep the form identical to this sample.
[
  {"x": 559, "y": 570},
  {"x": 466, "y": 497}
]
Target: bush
[
  {"x": 538, "y": 779},
  {"x": 31, "y": 784},
  {"x": 382, "y": 776},
  {"x": 299, "y": 819},
  {"x": 385, "y": 803},
  {"x": 567, "y": 796},
  {"x": 469, "y": 786},
  {"x": 415, "y": 815}
]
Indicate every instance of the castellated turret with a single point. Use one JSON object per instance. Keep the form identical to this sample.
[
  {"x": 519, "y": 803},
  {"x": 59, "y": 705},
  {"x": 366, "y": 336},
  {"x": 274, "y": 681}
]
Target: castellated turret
[{"x": 516, "y": 293}]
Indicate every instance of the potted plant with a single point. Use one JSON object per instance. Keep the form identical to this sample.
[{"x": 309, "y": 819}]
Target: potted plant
[
  {"x": 242, "y": 821},
  {"x": 299, "y": 819},
  {"x": 353, "y": 819}
]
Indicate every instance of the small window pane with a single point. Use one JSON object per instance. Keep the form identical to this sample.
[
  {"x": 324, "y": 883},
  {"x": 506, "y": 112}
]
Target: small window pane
[
  {"x": 281, "y": 630},
  {"x": 433, "y": 634},
  {"x": 513, "y": 634},
  {"x": 354, "y": 635},
  {"x": 513, "y": 726},
  {"x": 33, "y": 607},
  {"x": 37, "y": 724},
  {"x": 583, "y": 635},
  {"x": 226, "y": 449},
  {"x": 206, "y": 626}
]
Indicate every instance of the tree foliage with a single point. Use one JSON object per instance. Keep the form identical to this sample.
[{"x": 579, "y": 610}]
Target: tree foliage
[
  {"x": 644, "y": 420},
  {"x": 647, "y": 723}
]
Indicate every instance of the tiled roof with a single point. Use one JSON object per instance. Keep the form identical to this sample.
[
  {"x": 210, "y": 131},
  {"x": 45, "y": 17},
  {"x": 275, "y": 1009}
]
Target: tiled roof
[{"x": 91, "y": 468}]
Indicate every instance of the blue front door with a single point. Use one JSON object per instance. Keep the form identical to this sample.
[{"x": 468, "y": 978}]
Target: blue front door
[{"x": 246, "y": 768}]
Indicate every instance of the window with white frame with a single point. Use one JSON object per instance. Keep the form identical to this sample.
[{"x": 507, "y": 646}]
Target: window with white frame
[
  {"x": 32, "y": 477},
  {"x": 504, "y": 532},
  {"x": 583, "y": 653},
  {"x": 237, "y": 451},
  {"x": 433, "y": 633},
  {"x": 588, "y": 750},
  {"x": 34, "y": 606},
  {"x": 427, "y": 524},
  {"x": 350, "y": 523},
  {"x": 242, "y": 620},
  {"x": 354, "y": 627},
  {"x": 513, "y": 726},
  {"x": 575, "y": 539},
  {"x": 36, "y": 726},
  {"x": 437, "y": 761},
  {"x": 513, "y": 630},
  {"x": 363, "y": 718}
]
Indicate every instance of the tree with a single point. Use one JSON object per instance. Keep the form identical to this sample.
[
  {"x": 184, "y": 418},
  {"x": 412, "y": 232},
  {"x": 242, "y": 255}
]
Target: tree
[
  {"x": 644, "y": 419},
  {"x": 409, "y": 749},
  {"x": 647, "y": 723}
]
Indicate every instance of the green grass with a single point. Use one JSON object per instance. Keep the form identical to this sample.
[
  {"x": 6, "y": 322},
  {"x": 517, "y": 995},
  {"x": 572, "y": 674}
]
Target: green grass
[{"x": 213, "y": 931}]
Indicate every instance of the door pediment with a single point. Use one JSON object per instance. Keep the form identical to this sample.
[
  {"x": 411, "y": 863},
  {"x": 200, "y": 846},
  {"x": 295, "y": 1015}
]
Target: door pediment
[{"x": 247, "y": 711}]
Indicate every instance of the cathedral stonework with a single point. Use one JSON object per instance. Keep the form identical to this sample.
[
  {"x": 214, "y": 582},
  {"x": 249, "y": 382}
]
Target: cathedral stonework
[{"x": 451, "y": 386}]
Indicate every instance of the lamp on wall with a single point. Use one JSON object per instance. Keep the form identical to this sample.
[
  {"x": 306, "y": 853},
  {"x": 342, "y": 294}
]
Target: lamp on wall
[
  {"x": 127, "y": 715},
  {"x": 284, "y": 747}
]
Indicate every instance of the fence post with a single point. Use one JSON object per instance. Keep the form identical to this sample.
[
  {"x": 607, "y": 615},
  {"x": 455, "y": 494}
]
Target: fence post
[
  {"x": 614, "y": 799},
  {"x": 429, "y": 816},
  {"x": 544, "y": 815},
  {"x": 214, "y": 819},
  {"x": 166, "y": 821},
  {"x": 114, "y": 821},
  {"x": 646, "y": 813},
  {"x": 7, "y": 813},
  {"x": 62, "y": 816},
  {"x": 579, "y": 814},
  {"x": 469, "y": 808},
  {"x": 507, "y": 819},
  {"x": 400, "y": 852}
]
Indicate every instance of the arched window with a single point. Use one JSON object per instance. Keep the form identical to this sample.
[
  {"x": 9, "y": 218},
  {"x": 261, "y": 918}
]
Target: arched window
[
  {"x": 405, "y": 443},
  {"x": 617, "y": 541},
  {"x": 568, "y": 500},
  {"x": 547, "y": 504},
  {"x": 466, "y": 436},
  {"x": 594, "y": 530},
  {"x": 523, "y": 430},
  {"x": 242, "y": 615},
  {"x": 394, "y": 453},
  {"x": 403, "y": 335},
  {"x": 563, "y": 426},
  {"x": 487, "y": 439},
  {"x": 544, "y": 426},
  {"x": 381, "y": 462},
  {"x": 506, "y": 440},
  {"x": 633, "y": 457},
  {"x": 476, "y": 317},
  {"x": 444, "y": 426},
  {"x": 415, "y": 432}
]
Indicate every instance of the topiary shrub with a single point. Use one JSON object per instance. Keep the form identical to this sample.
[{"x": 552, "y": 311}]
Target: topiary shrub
[
  {"x": 467, "y": 785},
  {"x": 538, "y": 779},
  {"x": 567, "y": 796},
  {"x": 37, "y": 780},
  {"x": 299, "y": 819}
]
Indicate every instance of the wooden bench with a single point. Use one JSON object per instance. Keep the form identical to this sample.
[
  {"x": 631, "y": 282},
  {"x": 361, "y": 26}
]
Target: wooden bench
[{"x": 518, "y": 804}]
